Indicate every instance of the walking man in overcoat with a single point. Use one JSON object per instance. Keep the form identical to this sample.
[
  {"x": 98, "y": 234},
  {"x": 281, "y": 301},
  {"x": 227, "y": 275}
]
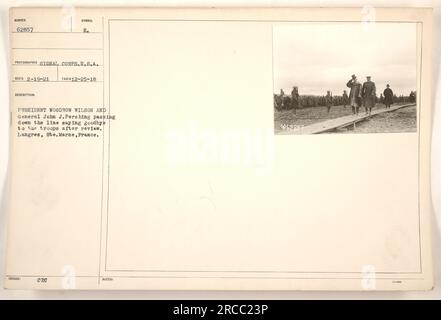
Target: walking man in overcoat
[
  {"x": 354, "y": 94},
  {"x": 369, "y": 95},
  {"x": 388, "y": 96}
]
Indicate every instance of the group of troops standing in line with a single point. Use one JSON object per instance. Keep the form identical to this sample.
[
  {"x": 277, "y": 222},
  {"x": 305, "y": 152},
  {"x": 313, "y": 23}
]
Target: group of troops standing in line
[
  {"x": 283, "y": 101},
  {"x": 359, "y": 95}
]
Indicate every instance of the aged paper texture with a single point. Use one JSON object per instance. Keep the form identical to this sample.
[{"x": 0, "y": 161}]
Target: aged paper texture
[{"x": 154, "y": 149}]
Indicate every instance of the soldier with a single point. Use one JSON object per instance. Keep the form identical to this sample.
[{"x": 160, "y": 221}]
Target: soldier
[
  {"x": 354, "y": 94},
  {"x": 368, "y": 94},
  {"x": 286, "y": 102},
  {"x": 345, "y": 98},
  {"x": 328, "y": 100},
  {"x": 295, "y": 99},
  {"x": 277, "y": 102},
  {"x": 412, "y": 97},
  {"x": 388, "y": 96},
  {"x": 279, "y": 99}
]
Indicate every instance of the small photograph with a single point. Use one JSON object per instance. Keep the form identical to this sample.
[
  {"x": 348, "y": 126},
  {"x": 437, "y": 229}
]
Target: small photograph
[{"x": 345, "y": 77}]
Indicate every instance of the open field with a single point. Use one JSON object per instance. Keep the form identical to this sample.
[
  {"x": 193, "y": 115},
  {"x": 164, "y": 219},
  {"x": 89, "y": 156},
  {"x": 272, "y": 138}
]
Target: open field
[{"x": 403, "y": 120}]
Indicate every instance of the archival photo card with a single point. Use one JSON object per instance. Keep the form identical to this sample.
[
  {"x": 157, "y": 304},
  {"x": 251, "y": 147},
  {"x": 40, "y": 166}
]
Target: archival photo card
[{"x": 146, "y": 156}]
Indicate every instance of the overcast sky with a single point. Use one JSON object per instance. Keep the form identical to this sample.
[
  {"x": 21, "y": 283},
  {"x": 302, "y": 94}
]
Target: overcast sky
[{"x": 322, "y": 56}]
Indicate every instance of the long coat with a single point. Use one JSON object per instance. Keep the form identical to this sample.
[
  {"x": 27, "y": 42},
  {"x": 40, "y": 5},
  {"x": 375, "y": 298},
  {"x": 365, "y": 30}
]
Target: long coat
[
  {"x": 278, "y": 101},
  {"x": 295, "y": 99},
  {"x": 286, "y": 102},
  {"x": 368, "y": 93},
  {"x": 345, "y": 98},
  {"x": 388, "y": 96},
  {"x": 328, "y": 100},
  {"x": 355, "y": 93}
]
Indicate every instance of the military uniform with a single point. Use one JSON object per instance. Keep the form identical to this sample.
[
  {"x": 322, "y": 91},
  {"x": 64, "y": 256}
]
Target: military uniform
[
  {"x": 368, "y": 94},
  {"x": 345, "y": 99},
  {"x": 295, "y": 99},
  {"x": 388, "y": 97},
  {"x": 328, "y": 100},
  {"x": 355, "y": 93}
]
